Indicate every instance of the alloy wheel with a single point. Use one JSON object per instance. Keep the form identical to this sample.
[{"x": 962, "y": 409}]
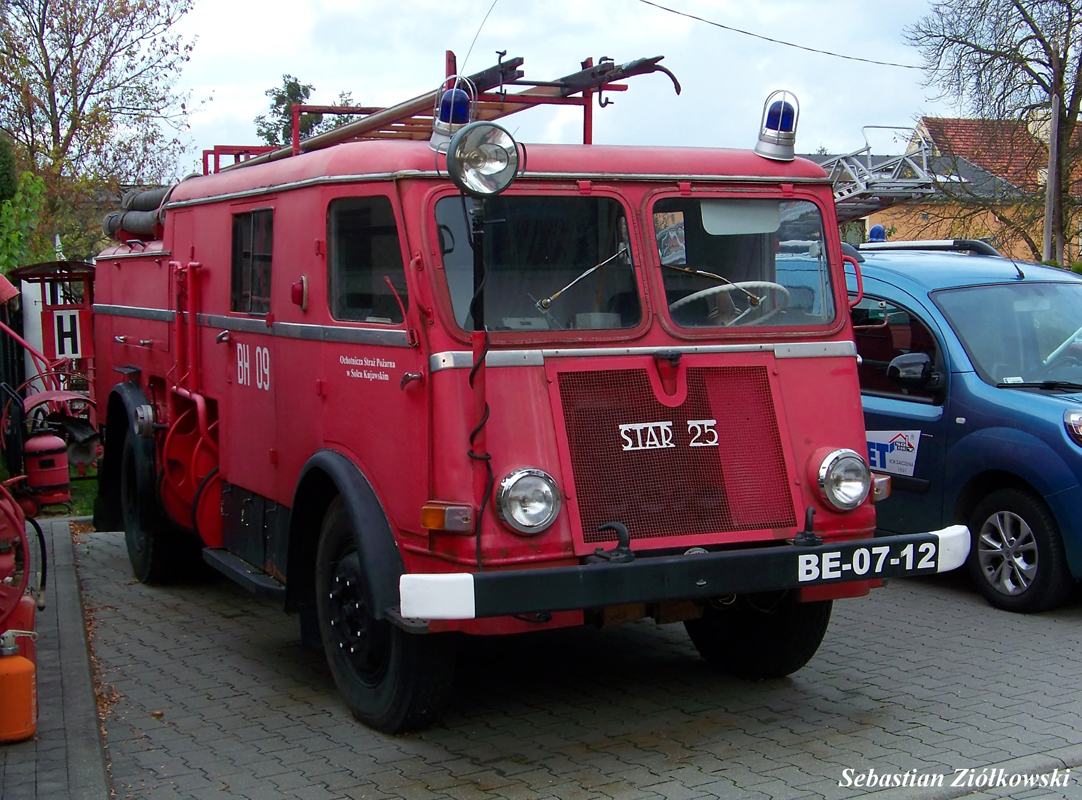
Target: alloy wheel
[{"x": 1007, "y": 551}]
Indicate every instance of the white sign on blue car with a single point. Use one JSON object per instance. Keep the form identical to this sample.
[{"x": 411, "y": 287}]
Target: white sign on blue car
[{"x": 893, "y": 451}]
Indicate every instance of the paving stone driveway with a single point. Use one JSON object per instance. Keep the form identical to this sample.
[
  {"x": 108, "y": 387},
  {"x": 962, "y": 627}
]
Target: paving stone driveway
[{"x": 216, "y": 700}]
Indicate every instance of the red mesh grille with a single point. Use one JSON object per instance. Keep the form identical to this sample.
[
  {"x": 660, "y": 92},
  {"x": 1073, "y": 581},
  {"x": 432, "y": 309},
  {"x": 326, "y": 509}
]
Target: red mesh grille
[{"x": 681, "y": 490}]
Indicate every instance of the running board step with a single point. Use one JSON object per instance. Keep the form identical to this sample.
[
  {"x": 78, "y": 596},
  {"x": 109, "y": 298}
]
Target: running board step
[{"x": 247, "y": 575}]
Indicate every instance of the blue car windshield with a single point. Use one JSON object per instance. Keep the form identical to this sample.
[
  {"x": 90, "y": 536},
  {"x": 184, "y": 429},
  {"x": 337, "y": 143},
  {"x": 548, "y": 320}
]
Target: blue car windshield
[{"x": 1018, "y": 332}]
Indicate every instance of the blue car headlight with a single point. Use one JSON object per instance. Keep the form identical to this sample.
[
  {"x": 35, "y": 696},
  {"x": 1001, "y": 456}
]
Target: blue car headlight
[{"x": 1072, "y": 421}]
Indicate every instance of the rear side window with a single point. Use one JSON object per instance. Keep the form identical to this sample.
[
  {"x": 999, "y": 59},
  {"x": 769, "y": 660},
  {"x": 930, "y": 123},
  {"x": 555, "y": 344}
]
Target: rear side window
[
  {"x": 367, "y": 280},
  {"x": 253, "y": 238}
]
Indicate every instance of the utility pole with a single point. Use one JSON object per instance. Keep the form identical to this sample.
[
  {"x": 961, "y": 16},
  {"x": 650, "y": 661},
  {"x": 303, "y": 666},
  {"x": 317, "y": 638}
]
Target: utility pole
[{"x": 1053, "y": 234}]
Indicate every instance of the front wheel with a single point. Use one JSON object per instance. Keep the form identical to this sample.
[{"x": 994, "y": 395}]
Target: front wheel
[
  {"x": 391, "y": 680},
  {"x": 768, "y": 635},
  {"x": 1016, "y": 555}
]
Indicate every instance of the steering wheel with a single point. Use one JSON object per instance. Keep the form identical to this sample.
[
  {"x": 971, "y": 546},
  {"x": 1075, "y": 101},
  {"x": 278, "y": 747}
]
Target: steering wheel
[
  {"x": 750, "y": 286},
  {"x": 1060, "y": 362}
]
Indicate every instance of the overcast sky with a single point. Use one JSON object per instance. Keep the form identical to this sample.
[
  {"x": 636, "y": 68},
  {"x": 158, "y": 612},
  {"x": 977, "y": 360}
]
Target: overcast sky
[{"x": 387, "y": 52}]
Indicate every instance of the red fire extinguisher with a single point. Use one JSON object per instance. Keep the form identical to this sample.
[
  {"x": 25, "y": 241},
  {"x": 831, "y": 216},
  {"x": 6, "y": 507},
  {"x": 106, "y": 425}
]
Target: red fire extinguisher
[{"x": 18, "y": 690}]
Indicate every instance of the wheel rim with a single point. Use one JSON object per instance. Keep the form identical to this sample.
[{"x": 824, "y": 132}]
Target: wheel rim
[
  {"x": 362, "y": 640},
  {"x": 1007, "y": 551}
]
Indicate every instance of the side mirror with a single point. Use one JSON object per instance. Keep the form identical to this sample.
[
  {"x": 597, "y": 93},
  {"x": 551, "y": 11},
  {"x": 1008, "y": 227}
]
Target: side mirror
[{"x": 914, "y": 371}]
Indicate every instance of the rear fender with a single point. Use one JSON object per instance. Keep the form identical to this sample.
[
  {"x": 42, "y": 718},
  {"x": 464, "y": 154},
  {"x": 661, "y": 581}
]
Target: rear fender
[{"x": 124, "y": 399}]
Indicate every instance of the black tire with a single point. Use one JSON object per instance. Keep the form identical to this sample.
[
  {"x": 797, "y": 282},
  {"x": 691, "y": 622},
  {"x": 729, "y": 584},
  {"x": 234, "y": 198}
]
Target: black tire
[
  {"x": 391, "y": 680},
  {"x": 158, "y": 552},
  {"x": 767, "y": 635},
  {"x": 1016, "y": 555}
]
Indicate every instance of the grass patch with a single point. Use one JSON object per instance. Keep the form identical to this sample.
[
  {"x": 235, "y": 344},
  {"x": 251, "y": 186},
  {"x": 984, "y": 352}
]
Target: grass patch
[{"x": 84, "y": 490}]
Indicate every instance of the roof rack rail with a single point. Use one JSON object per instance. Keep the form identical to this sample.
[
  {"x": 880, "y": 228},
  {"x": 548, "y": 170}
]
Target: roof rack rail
[
  {"x": 939, "y": 245},
  {"x": 413, "y": 118}
]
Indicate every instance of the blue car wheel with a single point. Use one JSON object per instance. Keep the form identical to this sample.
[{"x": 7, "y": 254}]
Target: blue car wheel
[{"x": 1017, "y": 557}]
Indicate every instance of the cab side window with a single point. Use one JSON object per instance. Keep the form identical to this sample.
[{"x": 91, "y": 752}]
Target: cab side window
[
  {"x": 884, "y": 331},
  {"x": 366, "y": 280},
  {"x": 253, "y": 238}
]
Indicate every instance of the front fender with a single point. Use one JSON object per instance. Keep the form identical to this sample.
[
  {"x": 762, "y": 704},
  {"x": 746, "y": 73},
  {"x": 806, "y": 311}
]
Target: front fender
[
  {"x": 1007, "y": 450},
  {"x": 1033, "y": 461},
  {"x": 380, "y": 558}
]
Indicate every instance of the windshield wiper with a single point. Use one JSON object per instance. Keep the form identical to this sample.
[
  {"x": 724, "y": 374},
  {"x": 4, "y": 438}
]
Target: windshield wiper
[
  {"x": 1049, "y": 385},
  {"x": 546, "y": 302}
]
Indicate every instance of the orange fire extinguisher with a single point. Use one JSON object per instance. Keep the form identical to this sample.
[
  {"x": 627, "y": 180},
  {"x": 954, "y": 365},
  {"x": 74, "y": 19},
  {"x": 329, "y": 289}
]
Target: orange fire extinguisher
[{"x": 18, "y": 690}]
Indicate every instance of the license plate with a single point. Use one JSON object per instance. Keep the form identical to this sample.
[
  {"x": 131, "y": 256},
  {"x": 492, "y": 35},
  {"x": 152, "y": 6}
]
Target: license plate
[{"x": 913, "y": 558}]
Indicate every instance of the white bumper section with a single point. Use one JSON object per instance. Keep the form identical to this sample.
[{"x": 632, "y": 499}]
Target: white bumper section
[{"x": 953, "y": 547}]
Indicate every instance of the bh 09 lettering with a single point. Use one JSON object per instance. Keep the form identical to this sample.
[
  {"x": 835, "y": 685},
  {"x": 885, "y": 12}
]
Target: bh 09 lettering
[{"x": 262, "y": 367}]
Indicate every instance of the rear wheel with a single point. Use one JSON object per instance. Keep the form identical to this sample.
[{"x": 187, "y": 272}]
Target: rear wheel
[
  {"x": 1016, "y": 555},
  {"x": 158, "y": 552},
  {"x": 391, "y": 680},
  {"x": 767, "y": 635}
]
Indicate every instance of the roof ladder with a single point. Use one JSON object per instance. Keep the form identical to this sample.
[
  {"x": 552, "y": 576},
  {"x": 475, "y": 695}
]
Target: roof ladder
[
  {"x": 413, "y": 118},
  {"x": 865, "y": 184}
]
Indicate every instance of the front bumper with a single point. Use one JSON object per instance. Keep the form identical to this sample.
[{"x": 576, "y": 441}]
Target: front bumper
[{"x": 469, "y": 595}]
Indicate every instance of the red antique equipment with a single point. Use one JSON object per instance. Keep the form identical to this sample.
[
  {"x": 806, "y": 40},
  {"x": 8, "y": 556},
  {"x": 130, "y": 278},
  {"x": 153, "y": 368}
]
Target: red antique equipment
[
  {"x": 58, "y": 398},
  {"x": 46, "y": 466},
  {"x": 410, "y": 378},
  {"x": 21, "y": 595}
]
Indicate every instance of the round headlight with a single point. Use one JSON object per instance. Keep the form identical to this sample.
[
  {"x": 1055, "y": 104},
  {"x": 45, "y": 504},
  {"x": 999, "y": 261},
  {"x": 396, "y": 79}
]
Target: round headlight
[
  {"x": 844, "y": 479},
  {"x": 528, "y": 500},
  {"x": 482, "y": 159}
]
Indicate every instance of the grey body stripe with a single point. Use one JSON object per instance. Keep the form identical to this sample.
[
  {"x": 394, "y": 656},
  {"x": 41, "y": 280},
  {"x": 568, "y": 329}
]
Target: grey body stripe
[
  {"x": 154, "y": 254},
  {"x": 605, "y": 177},
  {"x": 287, "y": 330},
  {"x": 463, "y": 359},
  {"x": 135, "y": 312}
]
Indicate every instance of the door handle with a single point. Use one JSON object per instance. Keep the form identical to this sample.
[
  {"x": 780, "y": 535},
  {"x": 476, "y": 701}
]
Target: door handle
[{"x": 222, "y": 337}]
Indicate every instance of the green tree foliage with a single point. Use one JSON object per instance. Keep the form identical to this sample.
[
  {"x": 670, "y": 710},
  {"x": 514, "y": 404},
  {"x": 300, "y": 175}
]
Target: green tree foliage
[
  {"x": 87, "y": 95},
  {"x": 20, "y": 241},
  {"x": 276, "y": 126},
  {"x": 9, "y": 183},
  {"x": 1005, "y": 60}
]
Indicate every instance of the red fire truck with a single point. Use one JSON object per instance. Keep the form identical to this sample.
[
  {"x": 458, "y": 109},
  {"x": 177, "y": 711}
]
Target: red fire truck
[{"x": 413, "y": 378}]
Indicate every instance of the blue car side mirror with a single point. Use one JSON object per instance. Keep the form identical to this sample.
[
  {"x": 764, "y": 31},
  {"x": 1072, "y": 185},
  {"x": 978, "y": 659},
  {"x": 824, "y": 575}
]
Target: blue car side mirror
[{"x": 914, "y": 371}]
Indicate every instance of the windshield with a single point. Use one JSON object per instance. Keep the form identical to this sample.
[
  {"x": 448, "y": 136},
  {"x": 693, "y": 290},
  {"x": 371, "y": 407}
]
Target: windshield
[
  {"x": 743, "y": 262},
  {"x": 1019, "y": 332},
  {"x": 552, "y": 263}
]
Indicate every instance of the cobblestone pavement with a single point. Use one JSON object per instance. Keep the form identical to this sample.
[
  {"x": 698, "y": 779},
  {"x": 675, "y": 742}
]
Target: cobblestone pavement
[
  {"x": 217, "y": 700},
  {"x": 64, "y": 759}
]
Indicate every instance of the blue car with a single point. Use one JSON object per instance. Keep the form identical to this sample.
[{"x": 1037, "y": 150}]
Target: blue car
[{"x": 971, "y": 381}]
